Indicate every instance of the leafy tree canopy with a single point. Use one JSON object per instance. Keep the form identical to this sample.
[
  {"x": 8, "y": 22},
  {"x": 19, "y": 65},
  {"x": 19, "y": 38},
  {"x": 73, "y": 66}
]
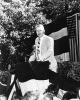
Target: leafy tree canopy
[{"x": 19, "y": 17}]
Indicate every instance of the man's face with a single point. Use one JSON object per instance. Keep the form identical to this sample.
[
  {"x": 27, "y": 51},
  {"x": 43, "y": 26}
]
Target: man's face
[{"x": 39, "y": 31}]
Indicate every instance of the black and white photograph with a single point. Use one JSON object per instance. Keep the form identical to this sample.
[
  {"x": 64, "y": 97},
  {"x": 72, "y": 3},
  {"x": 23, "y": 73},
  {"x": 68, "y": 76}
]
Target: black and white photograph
[{"x": 39, "y": 49}]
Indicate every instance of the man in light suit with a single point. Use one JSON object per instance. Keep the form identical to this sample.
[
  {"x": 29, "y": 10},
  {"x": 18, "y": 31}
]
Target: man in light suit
[
  {"x": 44, "y": 51},
  {"x": 44, "y": 48}
]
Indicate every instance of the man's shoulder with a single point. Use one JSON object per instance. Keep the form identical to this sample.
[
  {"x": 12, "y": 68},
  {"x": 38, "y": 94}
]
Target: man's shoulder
[{"x": 48, "y": 37}]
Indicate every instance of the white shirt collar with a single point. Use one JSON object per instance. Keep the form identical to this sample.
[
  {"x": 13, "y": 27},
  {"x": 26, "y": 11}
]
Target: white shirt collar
[{"x": 42, "y": 37}]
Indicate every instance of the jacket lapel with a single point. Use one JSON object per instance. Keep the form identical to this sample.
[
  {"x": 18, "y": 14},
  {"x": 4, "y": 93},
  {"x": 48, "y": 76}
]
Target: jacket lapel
[{"x": 43, "y": 46}]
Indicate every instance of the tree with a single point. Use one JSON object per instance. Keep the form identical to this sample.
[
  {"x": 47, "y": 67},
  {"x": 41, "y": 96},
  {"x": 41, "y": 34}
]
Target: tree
[{"x": 19, "y": 17}]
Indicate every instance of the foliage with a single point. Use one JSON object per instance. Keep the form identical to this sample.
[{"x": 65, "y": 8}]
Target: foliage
[
  {"x": 18, "y": 19},
  {"x": 70, "y": 70},
  {"x": 17, "y": 25},
  {"x": 56, "y": 8}
]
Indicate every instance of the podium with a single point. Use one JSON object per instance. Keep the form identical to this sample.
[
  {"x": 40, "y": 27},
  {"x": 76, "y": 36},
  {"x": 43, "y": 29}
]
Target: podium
[{"x": 36, "y": 70}]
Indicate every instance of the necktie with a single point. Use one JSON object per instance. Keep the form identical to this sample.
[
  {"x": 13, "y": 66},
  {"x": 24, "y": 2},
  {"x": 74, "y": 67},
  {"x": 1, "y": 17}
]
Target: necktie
[{"x": 38, "y": 49}]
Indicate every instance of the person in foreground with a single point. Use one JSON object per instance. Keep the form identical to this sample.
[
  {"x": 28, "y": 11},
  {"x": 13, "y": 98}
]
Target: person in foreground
[{"x": 44, "y": 51}]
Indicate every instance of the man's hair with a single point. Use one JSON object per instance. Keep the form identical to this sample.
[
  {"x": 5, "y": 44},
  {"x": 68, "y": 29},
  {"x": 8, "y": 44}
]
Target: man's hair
[{"x": 40, "y": 26}]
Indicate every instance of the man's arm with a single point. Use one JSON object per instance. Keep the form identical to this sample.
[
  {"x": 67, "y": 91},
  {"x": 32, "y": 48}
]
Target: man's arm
[
  {"x": 32, "y": 57},
  {"x": 33, "y": 54}
]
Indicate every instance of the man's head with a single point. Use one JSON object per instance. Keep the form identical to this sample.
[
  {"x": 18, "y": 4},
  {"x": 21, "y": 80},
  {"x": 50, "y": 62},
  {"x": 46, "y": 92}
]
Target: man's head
[{"x": 40, "y": 30}]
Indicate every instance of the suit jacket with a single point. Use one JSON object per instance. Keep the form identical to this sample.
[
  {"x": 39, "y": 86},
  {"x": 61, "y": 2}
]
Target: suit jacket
[{"x": 46, "y": 53}]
